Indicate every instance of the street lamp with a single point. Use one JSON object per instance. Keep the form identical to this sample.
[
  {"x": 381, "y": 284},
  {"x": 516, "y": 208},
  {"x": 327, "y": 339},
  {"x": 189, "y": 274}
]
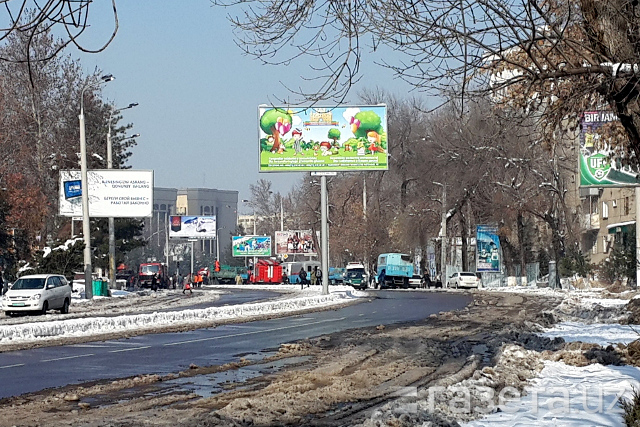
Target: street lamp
[
  {"x": 254, "y": 215},
  {"x": 443, "y": 232},
  {"x": 112, "y": 238},
  {"x": 218, "y": 242},
  {"x": 84, "y": 185}
]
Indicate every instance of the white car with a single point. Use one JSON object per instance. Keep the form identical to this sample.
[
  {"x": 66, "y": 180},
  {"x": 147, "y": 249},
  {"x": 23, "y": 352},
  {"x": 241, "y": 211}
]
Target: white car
[
  {"x": 39, "y": 293},
  {"x": 463, "y": 279}
]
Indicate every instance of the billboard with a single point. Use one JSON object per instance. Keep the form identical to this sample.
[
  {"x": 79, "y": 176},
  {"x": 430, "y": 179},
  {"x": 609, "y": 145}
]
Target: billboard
[
  {"x": 599, "y": 165},
  {"x": 115, "y": 193},
  {"x": 487, "y": 249},
  {"x": 295, "y": 242},
  {"x": 329, "y": 138},
  {"x": 251, "y": 245},
  {"x": 192, "y": 227}
]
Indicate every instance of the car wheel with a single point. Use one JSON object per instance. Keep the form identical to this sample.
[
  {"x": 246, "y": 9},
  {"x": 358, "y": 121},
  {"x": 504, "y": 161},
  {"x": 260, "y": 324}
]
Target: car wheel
[
  {"x": 8, "y": 313},
  {"x": 45, "y": 307},
  {"x": 65, "y": 307}
]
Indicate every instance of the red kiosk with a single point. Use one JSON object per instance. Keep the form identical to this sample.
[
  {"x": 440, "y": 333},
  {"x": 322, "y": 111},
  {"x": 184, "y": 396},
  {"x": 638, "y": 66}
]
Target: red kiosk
[{"x": 267, "y": 271}]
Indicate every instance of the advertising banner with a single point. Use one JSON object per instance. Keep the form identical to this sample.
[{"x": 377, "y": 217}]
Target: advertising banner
[
  {"x": 192, "y": 227},
  {"x": 251, "y": 245},
  {"x": 316, "y": 139},
  {"x": 295, "y": 242},
  {"x": 113, "y": 193},
  {"x": 487, "y": 249},
  {"x": 599, "y": 166}
]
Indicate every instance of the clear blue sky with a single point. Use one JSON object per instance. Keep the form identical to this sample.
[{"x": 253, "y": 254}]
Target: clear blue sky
[{"x": 198, "y": 94}]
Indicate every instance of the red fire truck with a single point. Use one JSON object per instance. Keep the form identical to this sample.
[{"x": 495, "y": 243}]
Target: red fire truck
[{"x": 146, "y": 272}]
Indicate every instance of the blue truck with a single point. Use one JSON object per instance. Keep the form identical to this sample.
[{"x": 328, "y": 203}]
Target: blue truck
[{"x": 394, "y": 270}]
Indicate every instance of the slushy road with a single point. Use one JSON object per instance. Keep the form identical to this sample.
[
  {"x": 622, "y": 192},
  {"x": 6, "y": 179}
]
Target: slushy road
[{"x": 41, "y": 368}]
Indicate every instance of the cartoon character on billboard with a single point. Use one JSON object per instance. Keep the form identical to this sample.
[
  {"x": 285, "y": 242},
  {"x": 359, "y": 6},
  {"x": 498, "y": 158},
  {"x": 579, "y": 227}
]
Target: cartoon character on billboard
[
  {"x": 276, "y": 122},
  {"x": 297, "y": 142}
]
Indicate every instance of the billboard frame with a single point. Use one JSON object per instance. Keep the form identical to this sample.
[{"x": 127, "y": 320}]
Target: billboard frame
[{"x": 366, "y": 150}]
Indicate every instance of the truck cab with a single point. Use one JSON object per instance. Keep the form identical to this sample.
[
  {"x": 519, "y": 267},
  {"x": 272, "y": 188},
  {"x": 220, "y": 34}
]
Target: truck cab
[
  {"x": 394, "y": 270},
  {"x": 146, "y": 272}
]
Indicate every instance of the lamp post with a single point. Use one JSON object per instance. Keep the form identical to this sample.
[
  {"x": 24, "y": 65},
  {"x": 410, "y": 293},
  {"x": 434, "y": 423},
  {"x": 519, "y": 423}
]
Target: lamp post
[
  {"x": 218, "y": 242},
  {"x": 112, "y": 238},
  {"x": 84, "y": 183},
  {"x": 443, "y": 233}
]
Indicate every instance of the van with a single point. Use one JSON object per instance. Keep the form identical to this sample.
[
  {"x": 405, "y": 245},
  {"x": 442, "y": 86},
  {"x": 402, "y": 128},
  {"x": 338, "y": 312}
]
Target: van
[
  {"x": 293, "y": 268},
  {"x": 38, "y": 293}
]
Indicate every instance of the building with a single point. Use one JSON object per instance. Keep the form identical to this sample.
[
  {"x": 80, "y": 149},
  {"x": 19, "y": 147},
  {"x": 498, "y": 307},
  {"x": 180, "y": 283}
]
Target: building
[{"x": 223, "y": 204}]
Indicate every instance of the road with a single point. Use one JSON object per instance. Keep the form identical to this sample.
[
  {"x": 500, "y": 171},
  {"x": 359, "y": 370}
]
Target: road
[{"x": 37, "y": 369}]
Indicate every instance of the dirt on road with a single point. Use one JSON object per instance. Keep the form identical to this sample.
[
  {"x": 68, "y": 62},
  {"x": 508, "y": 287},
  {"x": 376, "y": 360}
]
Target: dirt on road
[{"x": 358, "y": 377}]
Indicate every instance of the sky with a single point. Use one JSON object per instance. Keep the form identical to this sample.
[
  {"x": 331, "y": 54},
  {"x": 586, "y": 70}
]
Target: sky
[{"x": 198, "y": 94}]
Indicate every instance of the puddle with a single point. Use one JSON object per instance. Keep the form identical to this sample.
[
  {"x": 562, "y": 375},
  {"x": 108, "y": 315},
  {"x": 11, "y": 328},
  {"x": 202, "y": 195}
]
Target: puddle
[
  {"x": 208, "y": 385},
  {"x": 202, "y": 385}
]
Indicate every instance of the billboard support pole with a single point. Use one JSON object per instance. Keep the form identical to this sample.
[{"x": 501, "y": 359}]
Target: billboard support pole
[
  {"x": 324, "y": 236},
  {"x": 192, "y": 259},
  {"x": 637, "y": 194}
]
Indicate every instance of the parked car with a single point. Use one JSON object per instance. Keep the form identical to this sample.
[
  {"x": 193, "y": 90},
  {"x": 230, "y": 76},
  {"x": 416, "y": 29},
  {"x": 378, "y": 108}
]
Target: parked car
[
  {"x": 415, "y": 281},
  {"x": 463, "y": 279},
  {"x": 39, "y": 293}
]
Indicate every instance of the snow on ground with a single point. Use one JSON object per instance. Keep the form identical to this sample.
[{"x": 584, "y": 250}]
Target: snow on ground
[
  {"x": 564, "y": 395},
  {"x": 568, "y": 396},
  {"x": 299, "y": 300},
  {"x": 602, "y": 334}
]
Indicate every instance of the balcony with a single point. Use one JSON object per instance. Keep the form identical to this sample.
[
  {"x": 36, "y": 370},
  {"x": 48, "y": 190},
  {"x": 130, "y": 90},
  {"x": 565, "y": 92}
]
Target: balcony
[{"x": 591, "y": 221}]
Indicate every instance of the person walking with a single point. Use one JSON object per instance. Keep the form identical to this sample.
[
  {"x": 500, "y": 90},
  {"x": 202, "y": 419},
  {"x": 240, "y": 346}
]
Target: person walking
[
  {"x": 303, "y": 277},
  {"x": 154, "y": 282},
  {"x": 319, "y": 276},
  {"x": 313, "y": 276},
  {"x": 187, "y": 285}
]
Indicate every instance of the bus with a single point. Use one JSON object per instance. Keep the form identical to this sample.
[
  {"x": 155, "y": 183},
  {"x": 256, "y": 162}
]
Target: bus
[{"x": 293, "y": 268}]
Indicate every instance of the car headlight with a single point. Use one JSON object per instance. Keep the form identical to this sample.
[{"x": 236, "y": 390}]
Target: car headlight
[{"x": 35, "y": 297}]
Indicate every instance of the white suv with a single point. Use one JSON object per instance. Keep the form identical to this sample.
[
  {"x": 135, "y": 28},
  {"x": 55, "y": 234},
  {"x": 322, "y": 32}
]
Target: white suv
[{"x": 38, "y": 292}]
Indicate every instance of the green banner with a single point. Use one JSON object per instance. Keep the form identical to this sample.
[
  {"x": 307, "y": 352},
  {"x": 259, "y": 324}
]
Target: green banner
[{"x": 599, "y": 166}]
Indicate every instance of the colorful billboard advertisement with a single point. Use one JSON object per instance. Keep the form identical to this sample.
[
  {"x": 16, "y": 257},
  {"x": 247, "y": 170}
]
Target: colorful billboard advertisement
[
  {"x": 114, "y": 193},
  {"x": 192, "y": 227},
  {"x": 487, "y": 249},
  {"x": 599, "y": 166},
  {"x": 251, "y": 245},
  {"x": 295, "y": 242},
  {"x": 316, "y": 139}
]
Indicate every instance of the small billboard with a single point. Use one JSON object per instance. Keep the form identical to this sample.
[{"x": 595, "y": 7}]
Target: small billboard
[
  {"x": 192, "y": 227},
  {"x": 600, "y": 165},
  {"x": 487, "y": 249},
  {"x": 113, "y": 193},
  {"x": 251, "y": 246},
  {"x": 323, "y": 138},
  {"x": 295, "y": 242}
]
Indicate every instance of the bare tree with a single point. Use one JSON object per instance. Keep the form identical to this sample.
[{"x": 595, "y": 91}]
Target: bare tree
[
  {"x": 556, "y": 58},
  {"x": 31, "y": 19}
]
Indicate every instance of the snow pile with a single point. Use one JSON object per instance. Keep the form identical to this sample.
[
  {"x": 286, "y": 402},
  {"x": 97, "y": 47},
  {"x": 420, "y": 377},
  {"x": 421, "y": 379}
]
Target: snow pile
[
  {"x": 597, "y": 333},
  {"x": 29, "y": 332},
  {"x": 569, "y": 396}
]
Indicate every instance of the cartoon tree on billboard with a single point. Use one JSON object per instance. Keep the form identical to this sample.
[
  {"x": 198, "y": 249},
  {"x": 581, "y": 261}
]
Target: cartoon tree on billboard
[
  {"x": 334, "y": 133},
  {"x": 368, "y": 121},
  {"x": 275, "y": 122}
]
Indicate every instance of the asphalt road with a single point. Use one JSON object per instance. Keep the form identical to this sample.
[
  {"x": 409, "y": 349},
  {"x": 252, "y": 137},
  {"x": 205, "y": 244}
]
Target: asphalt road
[{"x": 41, "y": 368}]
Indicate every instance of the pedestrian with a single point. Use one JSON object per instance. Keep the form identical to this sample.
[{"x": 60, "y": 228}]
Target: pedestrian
[
  {"x": 4, "y": 286},
  {"x": 381, "y": 278},
  {"x": 197, "y": 279},
  {"x": 187, "y": 286},
  {"x": 238, "y": 279},
  {"x": 154, "y": 282},
  {"x": 426, "y": 280},
  {"x": 303, "y": 277},
  {"x": 314, "y": 277},
  {"x": 319, "y": 276}
]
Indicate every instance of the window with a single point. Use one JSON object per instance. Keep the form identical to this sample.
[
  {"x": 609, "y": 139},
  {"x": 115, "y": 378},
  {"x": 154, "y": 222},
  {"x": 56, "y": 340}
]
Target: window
[
  {"x": 627, "y": 208},
  {"x": 605, "y": 210},
  {"x": 163, "y": 207}
]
